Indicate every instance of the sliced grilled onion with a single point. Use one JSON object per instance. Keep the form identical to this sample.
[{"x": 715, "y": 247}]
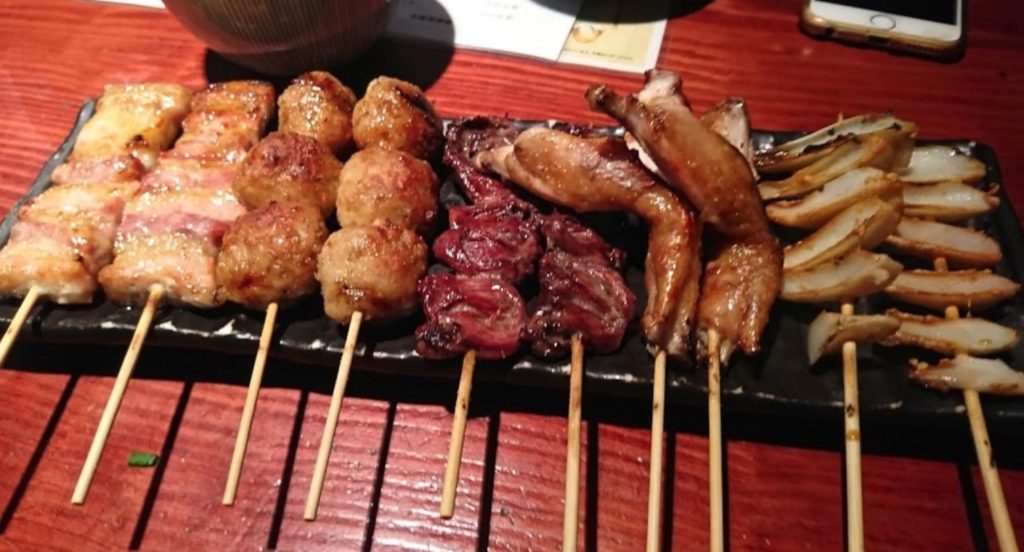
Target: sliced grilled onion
[
  {"x": 960, "y": 246},
  {"x": 975, "y": 336},
  {"x": 828, "y": 332},
  {"x": 984, "y": 375},
  {"x": 969, "y": 289},
  {"x": 856, "y": 275},
  {"x": 948, "y": 201},
  {"x": 930, "y": 164},
  {"x": 803, "y": 151},
  {"x": 888, "y": 150},
  {"x": 815, "y": 209},
  {"x": 862, "y": 226}
]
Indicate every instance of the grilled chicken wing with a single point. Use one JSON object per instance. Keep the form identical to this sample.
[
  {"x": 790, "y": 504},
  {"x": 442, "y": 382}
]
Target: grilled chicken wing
[
  {"x": 269, "y": 255},
  {"x": 382, "y": 185},
  {"x": 601, "y": 174},
  {"x": 396, "y": 115},
  {"x": 288, "y": 168},
  {"x": 372, "y": 269},
  {"x": 744, "y": 275},
  {"x": 319, "y": 106}
]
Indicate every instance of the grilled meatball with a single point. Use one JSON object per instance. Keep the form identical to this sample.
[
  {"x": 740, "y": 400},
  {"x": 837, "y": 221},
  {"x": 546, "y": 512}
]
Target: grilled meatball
[
  {"x": 372, "y": 269},
  {"x": 269, "y": 255},
  {"x": 288, "y": 168},
  {"x": 380, "y": 185},
  {"x": 319, "y": 106},
  {"x": 396, "y": 115}
]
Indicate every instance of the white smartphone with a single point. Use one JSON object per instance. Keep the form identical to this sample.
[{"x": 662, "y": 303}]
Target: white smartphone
[{"x": 928, "y": 27}]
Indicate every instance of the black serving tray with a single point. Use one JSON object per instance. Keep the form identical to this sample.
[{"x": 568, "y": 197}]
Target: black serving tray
[{"x": 778, "y": 382}]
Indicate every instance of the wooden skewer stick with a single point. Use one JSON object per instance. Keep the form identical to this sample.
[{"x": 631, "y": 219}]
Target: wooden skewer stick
[
  {"x": 17, "y": 322},
  {"x": 570, "y": 521},
  {"x": 715, "y": 440},
  {"x": 851, "y": 415},
  {"x": 316, "y": 487},
  {"x": 451, "y": 469},
  {"x": 251, "y": 396},
  {"x": 983, "y": 448},
  {"x": 657, "y": 443},
  {"x": 156, "y": 293}
]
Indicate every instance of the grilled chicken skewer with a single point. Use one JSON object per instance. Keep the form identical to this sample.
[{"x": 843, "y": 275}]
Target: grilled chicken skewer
[
  {"x": 370, "y": 268},
  {"x": 269, "y": 255},
  {"x": 64, "y": 236},
  {"x": 168, "y": 239}
]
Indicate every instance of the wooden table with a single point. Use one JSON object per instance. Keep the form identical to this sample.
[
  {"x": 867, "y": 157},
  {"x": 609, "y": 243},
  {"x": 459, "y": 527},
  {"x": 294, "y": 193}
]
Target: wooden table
[{"x": 385, "y": 471}]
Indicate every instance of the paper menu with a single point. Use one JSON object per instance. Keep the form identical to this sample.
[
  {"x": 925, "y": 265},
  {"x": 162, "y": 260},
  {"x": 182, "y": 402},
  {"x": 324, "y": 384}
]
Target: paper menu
[
  {"x": 524, "y": 27},
  {"x": 617, "y": 34}
]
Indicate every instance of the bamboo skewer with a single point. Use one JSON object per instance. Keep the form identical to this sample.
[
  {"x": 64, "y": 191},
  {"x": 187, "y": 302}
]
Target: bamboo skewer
[
  {"x": 316, "y": 486},
  {"x": 657, "y": 443},
  {"x": 851, "y": 416},
  {"x": 251, "y": 396},
  {"x": 156, "y": 293},
  {"x": 451, "y": 470},
  {"x": 570, "y": 521},
  {"x": 715, "y": 441},
  {"x": 17, "y": 322},
  {"x": 983, "y": 448}
]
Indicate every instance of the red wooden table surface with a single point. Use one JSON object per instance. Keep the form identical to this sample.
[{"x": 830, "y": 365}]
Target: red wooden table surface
[{"x": 384, "y": 479}]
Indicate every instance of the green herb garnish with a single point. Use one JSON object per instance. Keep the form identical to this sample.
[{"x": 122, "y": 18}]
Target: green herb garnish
[{"x": 142, "y": 459}]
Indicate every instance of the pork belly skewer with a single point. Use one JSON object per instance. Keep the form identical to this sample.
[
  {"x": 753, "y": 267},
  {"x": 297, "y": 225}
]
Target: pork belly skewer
[
  {"x": 742, "y": 279},
  {"x": 168, "y": 239},
  {"x": 64, "y": 236},
  {"x": 601, "y": 174},
  {"x": 269, "y": 255},
  {"x": 370, "y": 268},
  {"x": 490, "y": 245}
]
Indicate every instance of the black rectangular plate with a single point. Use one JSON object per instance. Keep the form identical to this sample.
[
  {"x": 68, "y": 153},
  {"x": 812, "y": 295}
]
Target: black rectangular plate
[{"x": 778, "y": 382}]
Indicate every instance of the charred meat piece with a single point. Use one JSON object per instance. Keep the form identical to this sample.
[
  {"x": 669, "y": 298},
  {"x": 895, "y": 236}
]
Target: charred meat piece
[
  {"x": 371, "y": 269},
  {"x": 578, "y": 295},
  {"x": 396, "y": 115},
  {"x": 464, "y": 312},
  {"x": 744, "y": 275},
  {"x": 319, "y": 106},
  {"x": 465, "y": 139},
  {"x": 269, "y": 255},
  {"x": 565, "y": 233},
  {"x": 496, "y": 240},
  {"x": 601, "y": 174},
  {"x": 288, "y": 168},
  {"x": 384, "y": 185}
]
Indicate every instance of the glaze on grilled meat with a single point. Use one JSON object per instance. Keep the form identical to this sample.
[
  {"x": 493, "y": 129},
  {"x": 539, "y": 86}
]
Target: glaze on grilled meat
[
  {"x": 171, "y": 231},
  {"x": 744, "y": 274},
  {"x": 318, "y": 105},
  {"x": 396, "y": 115},
  {"x": 579, "y": 295},
  {"x": 385, "y": 185},
  {"x": 287, "y": 167},
  {"x": 601, "y": 174},
  {"x": 496, "y": 240},
  {"x": 465, "y": 139},
  {"x": 65, "y": 235},
  {"x": 269, "y": 255},
  {"x": 565, "y": 233},
  {"x": 469, "y": 312},
  {"x": 371, "y": 269}
]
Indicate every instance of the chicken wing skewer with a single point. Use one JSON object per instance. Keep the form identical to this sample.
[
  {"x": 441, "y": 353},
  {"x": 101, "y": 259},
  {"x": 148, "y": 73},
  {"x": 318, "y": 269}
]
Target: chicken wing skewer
[
  {"x": 369, "y": 269},
  {"x": 272, "y": 257},
  {"x": 168, "y": 239}
]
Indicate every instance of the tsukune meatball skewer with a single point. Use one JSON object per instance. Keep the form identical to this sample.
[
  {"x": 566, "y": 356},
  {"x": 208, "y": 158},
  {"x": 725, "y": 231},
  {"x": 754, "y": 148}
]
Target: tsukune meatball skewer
[
  {"x": 168, "y": 238},
  {"x": 386, "y": 193},
  {"x": 269, "y": 255}
]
